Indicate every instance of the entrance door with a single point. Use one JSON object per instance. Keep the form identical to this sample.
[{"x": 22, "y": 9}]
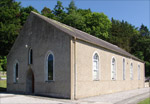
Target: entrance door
[{"x": 30, "y": 82}]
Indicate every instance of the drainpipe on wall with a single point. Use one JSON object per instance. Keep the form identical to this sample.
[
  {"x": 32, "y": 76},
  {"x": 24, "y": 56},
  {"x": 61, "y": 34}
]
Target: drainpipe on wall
[{"x": 75, "y": 68}]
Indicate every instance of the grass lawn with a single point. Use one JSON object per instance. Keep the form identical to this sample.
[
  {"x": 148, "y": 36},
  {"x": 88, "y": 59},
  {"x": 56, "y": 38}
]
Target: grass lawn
[
  {"x": 3, "y": 85},
  {"x": 146, "y": 101}
]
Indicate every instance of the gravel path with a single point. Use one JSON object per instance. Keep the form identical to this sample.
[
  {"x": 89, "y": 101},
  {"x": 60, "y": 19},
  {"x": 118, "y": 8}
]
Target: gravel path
[{"x": 126, "y": 97}]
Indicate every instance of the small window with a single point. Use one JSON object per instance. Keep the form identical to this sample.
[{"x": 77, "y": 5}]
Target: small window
[
  {"x": 124, "y": 69},
  {"x": 95, "y": 67},
  {"x": 49, "y": 66},
  {"x": 30, "y": 56},
  {"x": 113, "y": 69},
  {"x": 131, "y": 71},
  {"x": 16, "y": 74},
  {"x": 139, "y": 71}
]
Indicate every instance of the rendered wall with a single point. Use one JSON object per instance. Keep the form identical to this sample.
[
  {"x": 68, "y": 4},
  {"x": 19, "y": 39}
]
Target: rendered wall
[
  {"x": 85, "y": 86},
  {"x": 41, "y": 37}
]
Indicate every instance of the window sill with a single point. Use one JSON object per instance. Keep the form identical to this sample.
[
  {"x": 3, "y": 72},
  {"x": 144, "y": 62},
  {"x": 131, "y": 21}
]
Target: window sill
[
  {"x": 15, "y": 83},
  {"x": 49, "y": 81},
  {"x": 96, "y": 80}
]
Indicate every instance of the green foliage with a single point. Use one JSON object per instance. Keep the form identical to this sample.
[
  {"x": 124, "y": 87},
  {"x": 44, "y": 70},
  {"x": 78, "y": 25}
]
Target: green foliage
[
  {"x": 75, "y": 20},
  {"x": 72, "y": 7},
  {"x": 3, "y": 63},
  {"x": 24, "y": 13},
  {"x": 144, "y": 31},
  {"x": 120, "y": 33},
  {"x": 48, "y": 13},
  {"x": 146, "y": 101},
  {"x": 147, "y": 69},
  {"x": 59, "y": 11},
  {"x": 9, "y": 24},
  {"x": 98, "y": 25}
]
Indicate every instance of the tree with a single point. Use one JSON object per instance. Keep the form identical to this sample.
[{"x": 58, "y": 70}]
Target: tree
[
  {"x": 59, "y": 11},
  {"x": 48, "y": 13},
  {"x": 141, "y": 49},
  {"x": 121, "y": 34},
  {"x": 144, "y": 31},
  {"x": 98, "y": 25},
  {"x": 72, "y": 7},
  {"x": 9, "y": 24},
  {"x": 24, "y": 13},
  {"x": 75, "y": 20}
]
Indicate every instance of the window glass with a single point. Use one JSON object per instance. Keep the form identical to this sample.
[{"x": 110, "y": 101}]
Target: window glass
[
  {"x": 113, "y": 70},
  {"x": 95, "y": 67},
  {"x": 50, "y": 67},
  {"x": 139, "y": 71},
  {"x": 16, "y": 74},
  {"x": 131, "y": 71},
  {"x": 123, "y": 69},
  {"x": 30, "y": 56}
]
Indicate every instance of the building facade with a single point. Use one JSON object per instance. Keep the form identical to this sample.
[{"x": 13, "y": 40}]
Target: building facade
[{"x": 53, "y": 59}]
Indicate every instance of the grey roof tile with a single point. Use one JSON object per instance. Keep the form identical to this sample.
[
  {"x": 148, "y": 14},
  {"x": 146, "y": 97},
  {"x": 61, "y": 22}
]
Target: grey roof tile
[{"x": 86, "y": 37}]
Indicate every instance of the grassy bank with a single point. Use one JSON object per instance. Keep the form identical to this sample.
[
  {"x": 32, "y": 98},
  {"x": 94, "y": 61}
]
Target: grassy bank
[
  {"x": 3, "y": 85},
  {"x": 146, "y": 101}
]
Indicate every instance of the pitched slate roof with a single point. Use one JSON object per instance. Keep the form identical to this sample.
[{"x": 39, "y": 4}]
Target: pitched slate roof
[{"x": 86, "y": 37}]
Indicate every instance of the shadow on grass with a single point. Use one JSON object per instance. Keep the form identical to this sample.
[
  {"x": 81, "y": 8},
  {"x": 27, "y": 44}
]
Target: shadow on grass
[{"x": 3, "y": 89}]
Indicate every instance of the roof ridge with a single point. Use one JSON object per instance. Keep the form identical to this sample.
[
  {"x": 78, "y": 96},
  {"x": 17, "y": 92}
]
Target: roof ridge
[{"x": 86, "y": 37}]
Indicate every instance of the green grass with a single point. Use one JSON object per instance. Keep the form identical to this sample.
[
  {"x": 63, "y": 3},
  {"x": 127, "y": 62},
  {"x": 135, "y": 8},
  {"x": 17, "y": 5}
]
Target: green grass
[
  {"x": 146, "y": 101},
  {"x": 3, "y": 85}
]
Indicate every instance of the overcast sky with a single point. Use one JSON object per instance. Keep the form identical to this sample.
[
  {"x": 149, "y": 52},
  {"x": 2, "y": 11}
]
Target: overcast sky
[{"x": 136, "y": 12}]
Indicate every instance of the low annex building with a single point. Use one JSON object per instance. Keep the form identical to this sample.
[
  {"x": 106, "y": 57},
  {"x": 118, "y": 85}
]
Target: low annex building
[{"x": 50, "y": 58}]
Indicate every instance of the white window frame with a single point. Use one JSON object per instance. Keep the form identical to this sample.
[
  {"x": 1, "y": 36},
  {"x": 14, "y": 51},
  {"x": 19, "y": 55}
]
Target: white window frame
[
  {"x": 139, "y": 72},
  {"x": 131, "y": 71},
  {"x": 46, "y": 66},
  {"x": 124, "y": 68},
  {"x": 112, "y": 74},
  {"x": 98, "y": 67},
  {"x": 14, "y": 71}
]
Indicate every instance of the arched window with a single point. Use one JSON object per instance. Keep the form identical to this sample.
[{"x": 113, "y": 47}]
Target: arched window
[
  {"x": 113, "y": 69},
  {"x": 30, "y": 56},
  {"x": 16, "y": 74},
  {"x": 124, "y": 69},
  {"x": 131, "y": 71},
  {"x": 50, "y": 66},
  {"x": 139, "y": 71},
  {"x": 95, "y": 67}
]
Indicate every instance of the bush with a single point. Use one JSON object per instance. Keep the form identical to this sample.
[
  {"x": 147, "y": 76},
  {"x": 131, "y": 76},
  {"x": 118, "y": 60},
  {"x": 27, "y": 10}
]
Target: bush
[{"x": 3, "y": 63}]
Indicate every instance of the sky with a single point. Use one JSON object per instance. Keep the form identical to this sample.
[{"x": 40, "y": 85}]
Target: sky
[{"x": 135, "y": 12}]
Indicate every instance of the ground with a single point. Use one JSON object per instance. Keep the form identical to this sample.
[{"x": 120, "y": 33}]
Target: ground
[
  {"x": 2, "y": 81},
  {"x": 146, "y": 101},
  {"x": 126, "y": 97}
]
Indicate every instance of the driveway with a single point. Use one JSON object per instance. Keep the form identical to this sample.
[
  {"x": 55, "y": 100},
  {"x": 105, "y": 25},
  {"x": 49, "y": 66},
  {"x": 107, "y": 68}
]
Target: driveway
[{"x": 126, "y": 97}]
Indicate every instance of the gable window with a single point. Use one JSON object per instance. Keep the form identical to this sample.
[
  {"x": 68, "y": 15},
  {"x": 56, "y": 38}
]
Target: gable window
[
  {"x": 139, "y": 71},
  {"x": 131, "y": 71},
  {"x": 16, "y": 74},
  {"x": 124, "y": 69},
  {"x": 50, "y": 66},
  {"x": 95, "y": 67},
  {"x": 113, "y": 69},
  {"x": 30, "y": 56}
]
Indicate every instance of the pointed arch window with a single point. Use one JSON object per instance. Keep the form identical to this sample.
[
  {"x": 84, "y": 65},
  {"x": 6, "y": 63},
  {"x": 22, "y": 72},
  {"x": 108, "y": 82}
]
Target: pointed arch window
[
  {"x": 139, "y": 72},
  {"x": 113, "y": 69},
  {"x": 16, "y": 74},
  {"x": 50, "y": 66},
  {"x": 95, "y": 66},
  {"x": 124, "y": 69},
  {"x": 30, "y": 56},
  {"x": 131, "y": 71}
]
